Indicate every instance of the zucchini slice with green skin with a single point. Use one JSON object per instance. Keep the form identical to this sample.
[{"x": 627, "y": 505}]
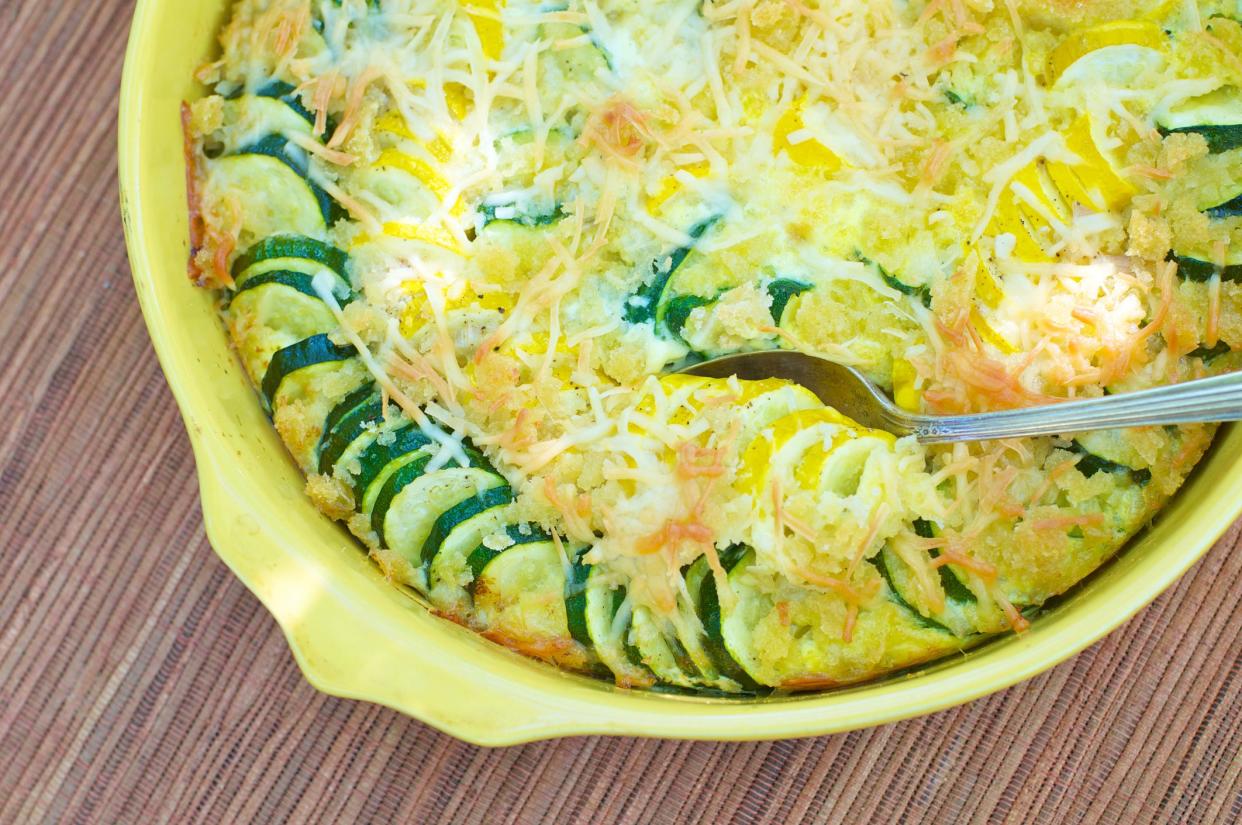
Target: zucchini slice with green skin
[
  {"x": 954, "y": 585},
  {"x": 922, "y": 293},
  {"x": 351, "y": 402},
  {"x": 286, "y": 247},
  {"x": 956, "y": 99},
  {"x": 1190, "y": 268},
  {"x": 281, "y": 149},
  {"x": 507, "y": 213},
  {"x": 412, "y": 513},
  {"x": 280, "y": 302},
  {"x": 1090, "y": 464},
  {"x": 275, "y": 197},
  {"x": 277, "y": 91},
  {"x": 448, "y": 573},
  {"x": 284, "y": 92},
  {"x": 577, "y": 574},
  {"x": 648, "y": 303},
  {"x": 576, "y": 597},
  {"x": 251, "y": 117},
  {"x": 677, "y": 312},
  {"x": 520, "y": 534},
  {"x": 1210, "y": 354},
  {"x": 886, "y": 563},
  {"x": 460, "y": 513},
  {"x": 701, "y": 584},
  {"x": 884, "y": 635},
  {"x": 662, "y": 651},
  {"x": 782, "y": 291},
  {"x": 382, "y": 458},
  {"x": 1231, "y": 208},
  {"x": 518, "y": 593},
  {"x": 579, "y": 61},
  {"x": 1217, "y": 116},
  {"x": 1219, "y": 138},
  {"x": 297, "y": 281},
  {"x": 734, "y": 627},
  {"x": 414, "y": 472},
  {"x": 299, "y": 274},
  {"x": 609, "y": 637},
  {"x": 359, "y": 413},
  {"x": 317, "y": 349}
]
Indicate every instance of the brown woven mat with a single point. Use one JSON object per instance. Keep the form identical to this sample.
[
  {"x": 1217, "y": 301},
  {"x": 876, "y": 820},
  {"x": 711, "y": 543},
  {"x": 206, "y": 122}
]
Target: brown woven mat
[{"x": 140, "y": 682}]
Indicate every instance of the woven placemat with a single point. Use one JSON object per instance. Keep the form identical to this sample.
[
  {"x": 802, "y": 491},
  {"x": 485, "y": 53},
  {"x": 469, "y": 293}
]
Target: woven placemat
[{"x": 140, "y": 682}]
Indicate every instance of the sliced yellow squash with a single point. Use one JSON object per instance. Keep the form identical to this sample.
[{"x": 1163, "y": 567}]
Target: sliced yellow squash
[{"x": 1129, "y": 34}]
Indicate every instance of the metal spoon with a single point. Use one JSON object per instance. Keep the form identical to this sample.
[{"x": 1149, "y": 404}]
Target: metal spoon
[{"x": 1205, "y": 399}]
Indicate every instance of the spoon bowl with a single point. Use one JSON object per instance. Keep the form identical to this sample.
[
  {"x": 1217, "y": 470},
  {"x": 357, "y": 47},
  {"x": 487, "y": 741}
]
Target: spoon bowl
[{"x": 847, "y": 390}]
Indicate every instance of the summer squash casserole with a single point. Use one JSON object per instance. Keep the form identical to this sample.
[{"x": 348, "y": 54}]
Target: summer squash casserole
[{"x": 459, "y": 247}]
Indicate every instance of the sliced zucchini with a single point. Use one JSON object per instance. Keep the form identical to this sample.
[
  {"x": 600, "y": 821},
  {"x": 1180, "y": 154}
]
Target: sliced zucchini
[
  {"x": 382, "y": 458},
  {"x": 520, "y": 534},
  {"x": 1231, "y": 208},
  {"x": 577, "y": 574},
  {"x": 1092, "y": 463},
  {"x": 1191, "y": 268},
  {"x": 1217, "y": 116},
  {"x": 951, "y": 581},
  {"x": 493, "y": 498},
  {"x": 509, "y": 213},
  {"x": 351, "y": 402},
  {"x": 576, "y": 597},
  {"x": 733, "y": 628},
  {"x": 411, "y": 514},
  {"x": 1210, "y": 354},
  {"x": 954, "y": 583},
  {"x": 897, "y": 588},
  {"x": 518, "y": 594},
  {"x": 284, "y": 250},
  {"x": 351, "y": 419},
  {"x": 782, "y": 290},
  {"x": 701, "y": 584},
  {"x": 922, "y": 293},
  {"x": 609, "y": 630},
  {"x": 275, "y": 198},
  {"x": 279, "y": 148},
  {"x": 580, "y": 63},
  {"x": 677, "y": 312},
  {"x": 1219, "y": 138},
  {"x": 448, "y": 573},
  {"x": 302, "y": 282},
  {"x": 662, "y": 651},
  {"x": 412, "y": 498},
  {"x": 812, "y": 651},
  {"x": 649, "y": 303},
  {"x": 956, "y": 99},
  {"x": 249, "y": 118},
  {"x": 317, "y": 349},
  {"x": 284, "y": 92},
  {"x": 284, "y": 301}
]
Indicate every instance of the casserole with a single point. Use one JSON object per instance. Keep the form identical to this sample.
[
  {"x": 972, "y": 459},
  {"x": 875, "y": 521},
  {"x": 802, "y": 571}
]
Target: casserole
[{"x": 357, "y": 636}]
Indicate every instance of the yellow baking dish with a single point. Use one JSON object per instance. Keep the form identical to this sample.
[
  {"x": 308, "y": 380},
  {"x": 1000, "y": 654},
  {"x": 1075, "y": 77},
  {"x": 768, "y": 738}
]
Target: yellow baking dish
[{"x": 356, "y": 635}]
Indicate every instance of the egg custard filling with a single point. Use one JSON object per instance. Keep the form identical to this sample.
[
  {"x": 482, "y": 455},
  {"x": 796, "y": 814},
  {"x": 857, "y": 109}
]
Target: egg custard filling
[{"x": 460, "y": 247}]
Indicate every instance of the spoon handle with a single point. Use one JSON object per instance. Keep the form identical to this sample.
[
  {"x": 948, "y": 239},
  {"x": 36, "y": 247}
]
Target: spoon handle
[{"x": 1206, "y": 399}]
